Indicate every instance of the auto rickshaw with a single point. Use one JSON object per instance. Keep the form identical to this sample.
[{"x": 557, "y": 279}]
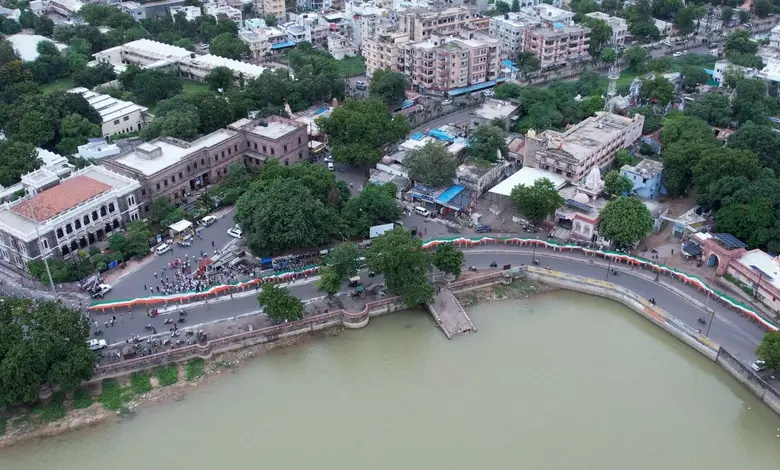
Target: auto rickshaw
[{"x": 354, "y": 281}]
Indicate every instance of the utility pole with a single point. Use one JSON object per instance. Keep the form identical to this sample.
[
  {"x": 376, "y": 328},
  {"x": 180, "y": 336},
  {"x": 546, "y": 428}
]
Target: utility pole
[{"x": 45, "y": 259}]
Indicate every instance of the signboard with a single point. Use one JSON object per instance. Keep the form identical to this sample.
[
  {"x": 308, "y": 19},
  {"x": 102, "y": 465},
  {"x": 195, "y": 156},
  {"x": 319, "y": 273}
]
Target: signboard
[{"x": 377, "y": 230}]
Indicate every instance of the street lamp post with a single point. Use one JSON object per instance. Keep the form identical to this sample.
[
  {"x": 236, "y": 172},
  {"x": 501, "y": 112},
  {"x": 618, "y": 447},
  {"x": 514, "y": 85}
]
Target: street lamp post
[
  {"x": 609, "y": 266},
  {"x": 758, "y": 286},
  {"x": 45, "y": 259},
  {"x": 533, "y": 255},
  {"x": 712, "y": 319}
]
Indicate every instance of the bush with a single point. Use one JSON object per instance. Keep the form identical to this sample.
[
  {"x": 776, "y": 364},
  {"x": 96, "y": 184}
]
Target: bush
[
  {"x": 82, "y": 399},
  {"x": 167, "y": 375},
  {"x": 195, "y": 369},
  {"x": 139, "y": 383},
  {"x": 113, "y": 395},
  {"x": 52, "y": 410}
]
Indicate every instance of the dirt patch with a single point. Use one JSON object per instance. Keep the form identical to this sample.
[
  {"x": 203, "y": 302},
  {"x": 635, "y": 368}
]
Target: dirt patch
[{"x": 519, "y": 289}]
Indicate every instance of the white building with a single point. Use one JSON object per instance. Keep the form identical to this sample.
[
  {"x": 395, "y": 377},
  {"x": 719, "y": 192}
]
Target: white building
[
  {"x": 340, "y": 47},
  {"x": 619, "y": 27},
  {"x": 98, "y": 149},
  {"x": 60, "y": 217},
  {"x": 664, "y": 27},
  {"x": 227, "y": 12},
  {"x": 198, "y": 67},
  {"x": 190, "y": 12},
  {"x": 774, "y": 38},
  {"x": 119, "y": 116},
  {"x": 134, "y": 9},
  {"x": 493, "y": 109},
  {"x": 50, "y": 161},
  {"x": 265, "y": 40},
  {"x": 67, "y": 8},
  {"x": 509, "y": 30},
  {"x": 26, "y": 45}
]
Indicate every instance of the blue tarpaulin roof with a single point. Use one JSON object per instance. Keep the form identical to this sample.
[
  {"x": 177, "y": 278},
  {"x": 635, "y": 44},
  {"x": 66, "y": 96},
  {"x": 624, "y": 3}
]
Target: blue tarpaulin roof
[
  {"x": 417, "y": 136},
  {"x": 407, "y": 104},
  {"x": 441, "y": 135},
  {"x": 449, "y": 194},
  {"x": 284, "y": 44},
  {"x": 321, "y": 110},
  {"x": 477, "y": 87},
  {"x": 508, "y": 64}
]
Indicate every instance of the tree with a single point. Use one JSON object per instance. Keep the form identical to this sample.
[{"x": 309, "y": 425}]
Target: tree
[
  {"x": 693, "y": 76},
  {"x": 657, "y": 90},
  {"x": 448, "y": 259},
  {"x": 279, "y": 305},
  {"x": 624, "y": 221},
  {"x": 502, "y": 7},
  {"x": 515, "y": 5},
  {"x": 769, "y": 350},
  {"x": 213, "y": 111},
  {"x": 528, "y": 62},
  {"x": 713, "y": 108},
  {"x": 623, "y": 157},
  {"x": 43, "y": 343},
  {"x": 762, "y": 8},
  {"x": 220, "y": 78},
  {"x": 652, "y": 118},
  {"x": 486, "y": 141},
  {"x": 537, "y": 202},
  {"x": 90, "y": 77},
  {"x": 600, "y": 34},
  {"x": 74, "y": 131},
  {"x": 617, "y": 184},
  {"x": 282, "y": 213},
  {"x": 752, "y": 102},
  {"x": 431, "y": 164},
  {"x": 645, "y": 29},
  {"x": 685, "y": 20},
  {"x": 744, "y": 16},
  {"x": 19, "y": 158},
  {"x": 341, "y": 263},
  {"x": 270, "y": 20},
  {"x": 150, "y": 86},
  {"x": 178, "y": 124},
  {"x": 389, "y": 86},
  {"x": 359, "y": 130},
  {"x": 721, "y": 162},
  {"x": 635, "y": 58},
  {"x": 230, "y": 46},
  {"x": 739, "y": 43},
  {"x": 608, "y": 55},
  {"x": 666, "y": 9},
  {"x": 726, "y": 14},
  {"x": 400, "y": 257},
  {"x": 374, "y": 205},
  {"x": 162, "y": 207},
  {"x": 761, "y": 140}
]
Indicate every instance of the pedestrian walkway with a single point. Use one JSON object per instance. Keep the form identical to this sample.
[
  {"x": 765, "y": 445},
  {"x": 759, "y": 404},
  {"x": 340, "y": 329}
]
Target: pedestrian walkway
[{"x": 449, "y": 314}]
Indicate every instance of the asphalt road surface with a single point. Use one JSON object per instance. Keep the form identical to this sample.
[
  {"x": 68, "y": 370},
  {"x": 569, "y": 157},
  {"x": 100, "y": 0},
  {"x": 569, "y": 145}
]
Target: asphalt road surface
[{"x": 737, "y": 334}]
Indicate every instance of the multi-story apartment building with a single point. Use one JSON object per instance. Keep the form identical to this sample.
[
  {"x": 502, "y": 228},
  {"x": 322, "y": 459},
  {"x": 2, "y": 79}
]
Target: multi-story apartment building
[
  {"x": 173, "y": 168},
  {"x": 133, "y": 9},
  {"x": 619, "y": 27},
  {"x": 509, "y": 30},
  {"x": 262, "y": 41},
  {"x": 442, "y": 64},
  {"x": 220, "y": 11},
  {"x": 340, "y": 46},
  {"x": 421, "y": 23},
  {"x": 119, "y": 116},
  {"x": 270, "y": 7},
  {"x": 590, "y": 144},
  {"x": 385, "y": 51},
  {"x": 557, "y": 44},
  {"x": 57, "y": 218}
]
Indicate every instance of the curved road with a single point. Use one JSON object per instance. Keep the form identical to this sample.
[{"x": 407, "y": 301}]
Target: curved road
[{"x": 736, "y": 333}]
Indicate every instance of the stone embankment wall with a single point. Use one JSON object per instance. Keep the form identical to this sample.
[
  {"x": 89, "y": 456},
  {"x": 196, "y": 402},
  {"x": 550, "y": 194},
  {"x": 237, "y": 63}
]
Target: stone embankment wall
[{"x": 746, "y": 375}]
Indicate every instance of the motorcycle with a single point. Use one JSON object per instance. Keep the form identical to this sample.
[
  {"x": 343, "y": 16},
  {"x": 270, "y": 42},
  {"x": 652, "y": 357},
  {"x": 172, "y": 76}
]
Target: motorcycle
[
  {"x": 493, "y": 264},
  {"x": 183, "y": 313},
  {"x": 148, "y": 327},
  {"x": 702, "y": 320},
  {"x": 167, "y": 321},
  {"x": 473, "y": 268},
  {"x": 652, "y": 300},
  {"x": 536, "y": 262},
  {"x": 614, "y": 272},
  {"x": 182, "y": 319}
]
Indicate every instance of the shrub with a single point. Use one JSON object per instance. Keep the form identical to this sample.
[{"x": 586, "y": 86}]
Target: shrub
[{"x": 195, "y": 369}]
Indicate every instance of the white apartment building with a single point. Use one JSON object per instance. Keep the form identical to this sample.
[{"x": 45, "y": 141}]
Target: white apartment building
[
  {"x": 60, "y": 217},
  {"x": 385, "y": 51},
  {"x": 619, "y": 27},
  {"x": 119, "y": 116},
  {"x": 220, "y": 11},
  {"x": 441, "y": 64},
  {"x": 270, "y": 7},
  {"x": 557, "y": 45},
  {"x": 262, "y": 41},
  {"x": 509, "y": 31},
  {"x": 774, "y": 37},
  {"x": 590, "y": 144},
  {"x": 421, "y": 23},
  {"x": 340, "y": 46},
  {"x": 189, "y": 12},
  {"x": 67, "y": 8}
]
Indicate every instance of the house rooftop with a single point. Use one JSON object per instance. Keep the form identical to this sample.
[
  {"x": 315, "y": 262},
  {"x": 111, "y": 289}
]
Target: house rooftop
[
  {"x": 108, "y": 107},
  {"x": 27, "y": 45},
  {"x": 581, "y": 140},
  {"x": 69, "y": 193},
  {"x": 496, "y": 109},
  {"x": 763, "y": 264},
  {"x": 274, "y": 129},
  {"x": 646, "y": 168}
]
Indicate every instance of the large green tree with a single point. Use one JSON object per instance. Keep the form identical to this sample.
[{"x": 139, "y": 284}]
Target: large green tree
[
  {"x": 376, "y": 204},
  {"x": 41, "y": 343},
  {"x": 74, "y": 131},
  {"x": 769, "y": 350},
  {"x": 431, "y": 164},
  {"x": 624, "y": 221},
  {"x": 388, "y": 86},
  {"x": 713, "y": 108},
  {"x": 693, "y": 76},
  {"x": 18, "y": 158},
  {"x": 636, "y": 57},
  {"x": 538, "y": 201},
  {"x": 279, "y": 305},
  {"x": 220, "y": 78},
  {"x": 340, "y": 264},
  {"x": 230, "y": 46},
  {"x": 400, "y": 257},
  {"x": 657, "y": 90},
  {"x": 600, "y": 34},
  {"x": 616, "y": 184},
  {"x": 359, "y": 130},
  {"x": 486, "y": 141},
  {"x": 448, "y": 259},
  {"x": 761, "y": 140}
]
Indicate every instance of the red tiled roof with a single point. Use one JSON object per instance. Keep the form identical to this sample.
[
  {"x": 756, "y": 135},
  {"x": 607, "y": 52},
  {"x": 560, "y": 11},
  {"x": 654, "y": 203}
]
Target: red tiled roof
[{"x": 60, "y": 198}]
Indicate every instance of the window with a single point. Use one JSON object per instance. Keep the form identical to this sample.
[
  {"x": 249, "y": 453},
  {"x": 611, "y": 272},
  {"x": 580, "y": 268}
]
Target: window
[
  {"x": 299, "y": 141},
  {"x": 229, "y": 152},
  {"x": 126, "y": 118},
  {"x": 300, "y": 154},
  {"x": 86, "y": 220},
  {"x": 173, "y": 178},
  {"x": 248, "y": 144},
  {"x": 143, "y": 191},
  {"x": 45, "y": 244},
  {"x": 59, "y": 233},
  {"x": 195, "y": 166},
  {"x": 77, "y": 224},
  {"x": 188, "y": 169},
  {"x": 272, "y": 151},
  {"x": 103, "y": 211},
  {"x": 285, "y": 149},
  {"x": 223, "y": 154},
  {"x": 116, "y": 122},
  {"x": 68, "y": 228},
  {"x": 111, "y": 207},
  {"x": 203, "y": 161},
  {"x": 146, "y": 208},
  {"x": 176, "y": 195},
  {"x": 264, "y": 149},
  {"x": 131, "y": 201},
  {"x": 181, "y": 176},
  {"x": 255, "y": 145},
  {"x": 235, "y": 147},
  {"x": 158, "y": 186}
]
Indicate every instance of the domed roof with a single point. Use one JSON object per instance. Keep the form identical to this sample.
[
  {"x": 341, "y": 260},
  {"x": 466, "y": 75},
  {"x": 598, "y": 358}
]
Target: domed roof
[{"x": 582, "y": 198}]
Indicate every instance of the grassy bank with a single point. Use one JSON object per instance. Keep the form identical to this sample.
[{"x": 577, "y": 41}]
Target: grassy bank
[
  {"x": 350, "y": 66},
  {"x": 63, "y": 84}
]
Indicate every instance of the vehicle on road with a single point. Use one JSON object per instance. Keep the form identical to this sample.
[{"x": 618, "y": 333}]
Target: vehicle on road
[
  {"x": 101, "y": 290},
  {"x": 162, "y": 249},
  {"x": 330, "y": 166},
  {"x": 678, "y": 54},
  {"x": 360, "y": 85},
  {"x": 446, "y": 102},
  {"x": 208, "y": 220},
  {"x": 489, "y": 93},
  {"x": 234, "y": 232},
  {"x": 758, "y": 366},
  {"x": 97, "y": 344},
  {"x": 483, "y": 228},
  {"x": 328, "y": 159},
  {"x": 422, "y": 211}
]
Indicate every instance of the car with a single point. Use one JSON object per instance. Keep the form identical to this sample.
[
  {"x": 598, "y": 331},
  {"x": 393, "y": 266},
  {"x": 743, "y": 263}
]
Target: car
[
  {"x": 101, "y": 290},
  {"x": 330, "y": 166},
  {"x": 234, "y": 232},
  {"x": 208, "y": 220},
  {"x": 489, "y": 93},
  {"x": 446, "y": 102},
  {"x": 162, "y": 249},
  {"x": 758, "y": 366},
  {"x": 483, "y": 228},
  {"x": 97, "y": 344},
  {"x": 678, "y": 54},
  {"x": 328, "y": 159},
  {"x": 360, "y": 85}
]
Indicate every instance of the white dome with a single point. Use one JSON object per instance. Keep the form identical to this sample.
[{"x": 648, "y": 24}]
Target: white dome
[{"x": 582, "y": 198}]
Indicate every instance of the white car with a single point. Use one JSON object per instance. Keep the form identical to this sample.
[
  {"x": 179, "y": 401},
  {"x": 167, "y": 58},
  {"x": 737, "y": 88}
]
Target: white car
[
  {"x": 328, "y": 159},
  {"x": 678, "y": 54},
  {"x": 489, "y": 93},
  {"x": 234, "y": 232},
  {"x": 758, "y": 366},
  {"x": 101, "y": 290},
  {"x": 162, "y": 249},
  {"x": 331, "y": 167},
  {"x": 446, "y": 102},
  {"x": 97, "y": 344}
]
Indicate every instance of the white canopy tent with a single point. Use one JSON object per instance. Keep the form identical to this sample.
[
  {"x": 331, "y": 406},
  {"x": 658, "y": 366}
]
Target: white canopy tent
[{"x": 180, "y": 227}]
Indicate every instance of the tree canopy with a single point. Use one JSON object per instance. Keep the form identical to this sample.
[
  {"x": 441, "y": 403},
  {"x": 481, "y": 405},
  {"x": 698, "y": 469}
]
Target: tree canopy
[
  {"x": 769, "y": 350},
  {"x": 486, "y": 141},
  {"x": 359, "y": 130},
  {"x": 616, "y": 184},
  {"x": 389, "y": 87},
  {"x": 624, "y": 221},
  {"x": 431, "y": 164},
  {"x": 41, "y": 342},
  {"x": 340, "y": 264},
  {"x": 19, "y": 158},
  {"x": 400, "y": 257},
  {"x": 374, "y": 205},
  {"x": 537, "y": 202},
  {"x": 448, "y": 259},
  {"x": 278, "y": 304}
]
